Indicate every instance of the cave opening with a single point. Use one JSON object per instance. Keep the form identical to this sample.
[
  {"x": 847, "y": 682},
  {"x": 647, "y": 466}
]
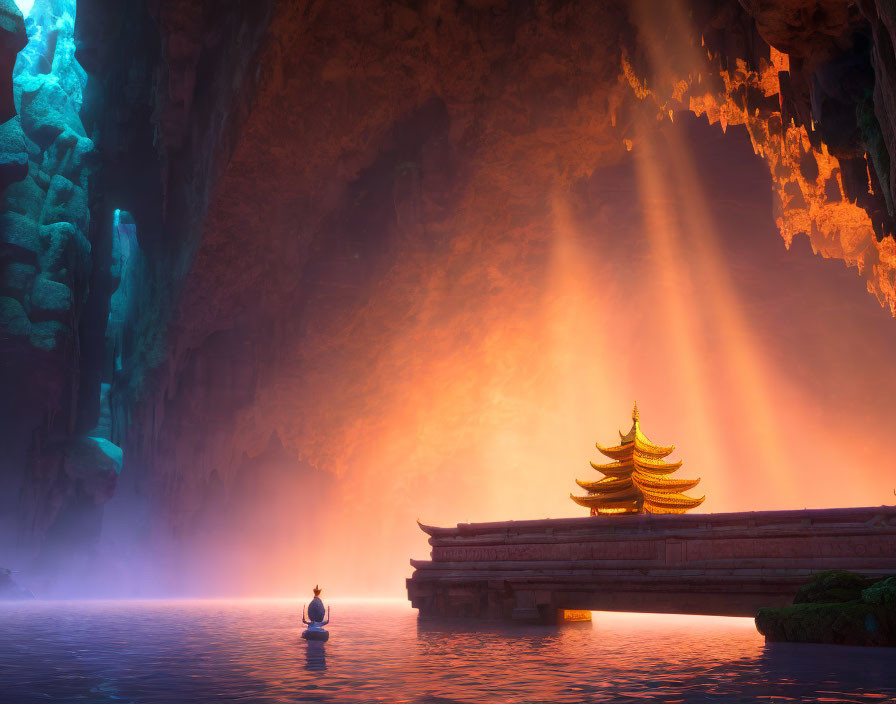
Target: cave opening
[
  {"x": 266, "y": 307},
  {"x": 440, "y": 377}
]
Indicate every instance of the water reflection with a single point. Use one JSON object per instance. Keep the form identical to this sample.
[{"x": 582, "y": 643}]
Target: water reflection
[
  {"x": 315, "y": 655},
  {"x": 242, "y": 651}
]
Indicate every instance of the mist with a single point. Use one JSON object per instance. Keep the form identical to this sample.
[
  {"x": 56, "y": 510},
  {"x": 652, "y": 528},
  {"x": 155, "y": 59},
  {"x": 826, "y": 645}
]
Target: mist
[{"x": 470, "y": 380}]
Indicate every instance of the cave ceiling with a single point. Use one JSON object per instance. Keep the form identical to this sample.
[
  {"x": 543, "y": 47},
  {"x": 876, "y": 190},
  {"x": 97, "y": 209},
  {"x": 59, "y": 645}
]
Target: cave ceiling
[{"x": 384, "y": 150}]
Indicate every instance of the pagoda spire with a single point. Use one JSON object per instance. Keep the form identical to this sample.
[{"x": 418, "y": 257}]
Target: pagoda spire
[{"x": 638, "y": 480}]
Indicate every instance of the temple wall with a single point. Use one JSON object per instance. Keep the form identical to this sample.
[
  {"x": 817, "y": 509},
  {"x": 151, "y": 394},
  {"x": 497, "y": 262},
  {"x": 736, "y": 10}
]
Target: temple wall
[{"x": 725, "y": 564}]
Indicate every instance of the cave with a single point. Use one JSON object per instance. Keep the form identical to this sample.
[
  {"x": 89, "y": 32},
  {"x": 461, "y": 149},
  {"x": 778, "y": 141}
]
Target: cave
[{"x": 278, "y": 278}]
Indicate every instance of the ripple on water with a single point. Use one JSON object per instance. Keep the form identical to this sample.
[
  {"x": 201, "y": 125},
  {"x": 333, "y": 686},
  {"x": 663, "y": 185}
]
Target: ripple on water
[{"x": 175, "y": 652}]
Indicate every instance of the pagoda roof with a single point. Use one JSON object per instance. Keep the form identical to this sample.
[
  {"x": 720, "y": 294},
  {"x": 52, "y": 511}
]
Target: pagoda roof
[
  {"x": 654, "y": 482},
  {"x": 635, "y": 441},
  {"x": 669, "y": 503},
  {"x": 622, "y": 468},
  {"x": 654, "y": 466},
  {"x": 638, "y": 478},
  {"x": 645, "y": 463},
  {"x": 606, "y": 484},
  {"x": 627, "y": 493},
  {"x": 607, "y": 505}
]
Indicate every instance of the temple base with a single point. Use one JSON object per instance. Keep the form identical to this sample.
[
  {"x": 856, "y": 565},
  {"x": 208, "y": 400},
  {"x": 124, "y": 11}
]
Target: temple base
[{"x": 715, "y": 564}]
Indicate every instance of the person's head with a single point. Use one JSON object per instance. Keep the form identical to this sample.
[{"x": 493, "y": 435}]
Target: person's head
[{"x": 316, "y": 590}]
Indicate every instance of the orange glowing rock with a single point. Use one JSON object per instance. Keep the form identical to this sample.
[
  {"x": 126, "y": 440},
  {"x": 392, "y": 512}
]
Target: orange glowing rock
[{"x": 813, "y": 203}]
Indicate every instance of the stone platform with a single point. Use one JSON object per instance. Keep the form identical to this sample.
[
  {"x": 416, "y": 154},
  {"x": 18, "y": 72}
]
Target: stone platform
[{"x": 727, "y": 564}]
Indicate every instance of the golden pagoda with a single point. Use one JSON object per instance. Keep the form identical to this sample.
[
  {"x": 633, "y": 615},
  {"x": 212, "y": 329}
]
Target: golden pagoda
[{"x": 638, "y": 480}]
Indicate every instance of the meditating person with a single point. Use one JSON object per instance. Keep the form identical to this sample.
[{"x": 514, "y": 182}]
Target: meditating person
[{"x": 317, "y": 613}]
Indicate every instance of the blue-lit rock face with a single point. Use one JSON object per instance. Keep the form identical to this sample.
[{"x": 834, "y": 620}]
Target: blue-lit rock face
[
  {"x": 45, "y": 226},
  {"x": 47, "y": 262},
  {"x": 13, "y": 155}
]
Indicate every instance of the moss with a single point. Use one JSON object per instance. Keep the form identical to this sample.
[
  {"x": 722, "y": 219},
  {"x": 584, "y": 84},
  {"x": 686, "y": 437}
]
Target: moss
[
  {"x": 833, "y": 586},
  {"x": 844, "y": 623},
  {"x": 883, "y": 593},
  {"x": 836, "y": 607}
]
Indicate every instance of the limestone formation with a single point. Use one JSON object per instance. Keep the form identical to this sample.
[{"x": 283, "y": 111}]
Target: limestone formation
[{"x": 46, "y": 266}]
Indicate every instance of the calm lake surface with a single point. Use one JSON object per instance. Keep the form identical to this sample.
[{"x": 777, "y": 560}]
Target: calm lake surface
[{"x": 244, "y": 651}]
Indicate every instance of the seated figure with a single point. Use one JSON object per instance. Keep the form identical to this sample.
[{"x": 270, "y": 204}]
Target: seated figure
[
  {"x": 319, "y": 616},
  {"x": 316, "y": 607}
]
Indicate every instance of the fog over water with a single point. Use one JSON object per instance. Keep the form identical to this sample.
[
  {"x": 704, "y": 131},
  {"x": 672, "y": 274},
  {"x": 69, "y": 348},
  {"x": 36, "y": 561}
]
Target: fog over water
[{"x": 662, "y": 279}]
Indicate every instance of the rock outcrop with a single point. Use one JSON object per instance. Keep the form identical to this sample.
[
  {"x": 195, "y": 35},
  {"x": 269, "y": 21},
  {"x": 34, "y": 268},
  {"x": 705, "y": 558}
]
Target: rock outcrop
[
  {"x": 13, "y": 157},
  {"x": 838, "y": 608},
  {"x": 52, "y": 469},
  {"x": 9, "y": 590}
]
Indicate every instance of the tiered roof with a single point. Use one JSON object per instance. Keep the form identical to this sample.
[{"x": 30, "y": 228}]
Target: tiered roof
[{"x": 638, "y": 480}]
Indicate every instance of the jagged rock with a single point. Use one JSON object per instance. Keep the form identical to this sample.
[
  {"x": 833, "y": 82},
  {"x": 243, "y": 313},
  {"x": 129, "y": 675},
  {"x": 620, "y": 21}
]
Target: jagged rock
[
  {"x": 12, "y": 40},
  {"x": 58, "y": 240},
  {"x": 103, "y": 429},
  {"x": 66, "y": 202},
  {"x": 13, "y": 153},
  {"x": 816, "y": 29},
  {"x": 13, "y": 319},
  {"x": 26, "y": 196},
  {"x": 49, "y": 335},
  {"x": 47, "y": 111},
  {"x": 45, "y": 269},
  {"x": 66, "y": 142},
  {"x": 64, "y": 249},
  {"x": 16, "y": 280},
  {"x": 50, "y": 300},
  {"x": 840, "y": 86},
  {"x": 20, "y": 235},
  {"x": 66, "y": 68},
  {"x": 70, "y": 152},
  {"x": 95, "y": 463},
  {"x": 12, "y": 22},
  {"x": 41, "y": 177}
]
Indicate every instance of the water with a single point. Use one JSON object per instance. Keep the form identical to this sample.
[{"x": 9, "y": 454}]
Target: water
[{"x": 251, "y": 652}]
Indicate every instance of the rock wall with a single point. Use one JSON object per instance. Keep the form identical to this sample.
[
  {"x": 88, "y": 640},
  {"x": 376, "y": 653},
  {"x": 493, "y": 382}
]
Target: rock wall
[
  {"x": 839, "y": 86},
  {"x": 209, "y": 211},
  {"x": 57, "y": 473},
  {"x": 13, "y": 158}
]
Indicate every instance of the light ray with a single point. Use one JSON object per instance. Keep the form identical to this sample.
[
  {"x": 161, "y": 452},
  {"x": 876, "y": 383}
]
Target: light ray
[
  {"x": 753, "y": 386},
  {"x": 679, "y": 323}
]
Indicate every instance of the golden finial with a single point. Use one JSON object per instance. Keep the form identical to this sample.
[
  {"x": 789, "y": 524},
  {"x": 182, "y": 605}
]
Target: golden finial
[{"x": 635, "y": 415}]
